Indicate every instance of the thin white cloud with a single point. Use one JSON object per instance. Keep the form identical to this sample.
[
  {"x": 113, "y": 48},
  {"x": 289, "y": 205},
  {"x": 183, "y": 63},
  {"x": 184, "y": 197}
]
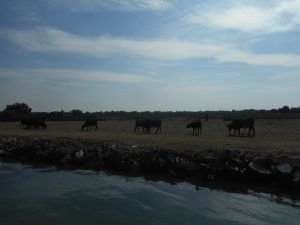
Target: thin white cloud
[
  {"x": 74, "y": 74},
  {"x": 231, "y": 88},
  {"x": 199, "y": 89},
  {"x": 50, "y": 40},
  {"x": 127, "y": 5},
  {"x": 286, "y": 75},
  {"x": 255, "y": 16}
]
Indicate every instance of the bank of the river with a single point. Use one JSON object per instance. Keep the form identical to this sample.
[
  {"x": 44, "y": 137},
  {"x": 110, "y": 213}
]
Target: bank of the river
[{"x": 281, "y": 170}]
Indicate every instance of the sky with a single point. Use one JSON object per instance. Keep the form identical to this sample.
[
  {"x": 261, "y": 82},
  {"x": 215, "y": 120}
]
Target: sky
[{"x": 141, "y": 55}]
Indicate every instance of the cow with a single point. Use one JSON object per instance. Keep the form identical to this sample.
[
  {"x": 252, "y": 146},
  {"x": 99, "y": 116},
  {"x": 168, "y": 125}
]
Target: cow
[
  {"x": 139, "y": 123},
  {"x": 155, "y": 123},
  {"x": 33, "y": 123},
  {"x": 92, "y": 122},
  {"x": 196, "y": 125},
  {"x": 26, "y": 123},
  {"x": 147, "y": 124},
  {"x": 39, "y": 124},
  {"x": 236, "y": 125}
]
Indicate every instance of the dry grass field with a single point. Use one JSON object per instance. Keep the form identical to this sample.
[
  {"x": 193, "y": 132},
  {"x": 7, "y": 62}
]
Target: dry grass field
[{"x": 271, "y": 135}]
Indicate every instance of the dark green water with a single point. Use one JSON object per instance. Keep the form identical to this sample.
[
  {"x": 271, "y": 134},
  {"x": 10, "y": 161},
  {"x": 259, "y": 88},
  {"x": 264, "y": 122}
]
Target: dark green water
[{"x": 46, "y": 196}]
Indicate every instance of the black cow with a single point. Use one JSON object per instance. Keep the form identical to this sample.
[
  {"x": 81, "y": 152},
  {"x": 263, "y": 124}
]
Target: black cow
[
  {"x": 147, "y": 124},
  {"x": 93, "y": 122},
  {"x": 236, "y": 125},
  {"x": 26, "y": 123},
  {"x": 196, "y": 125},
  {"x": 140, "y": 123},
  {"x": 39, "y": 124},
  {"x": 33, "y": 123}
]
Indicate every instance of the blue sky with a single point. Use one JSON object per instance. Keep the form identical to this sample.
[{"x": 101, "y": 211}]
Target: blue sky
[{"x": 149, "y": 55}]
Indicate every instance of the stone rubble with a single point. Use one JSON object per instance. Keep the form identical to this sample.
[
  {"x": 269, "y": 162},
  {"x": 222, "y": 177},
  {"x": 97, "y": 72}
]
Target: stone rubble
[{"x": 230, "y": 164}]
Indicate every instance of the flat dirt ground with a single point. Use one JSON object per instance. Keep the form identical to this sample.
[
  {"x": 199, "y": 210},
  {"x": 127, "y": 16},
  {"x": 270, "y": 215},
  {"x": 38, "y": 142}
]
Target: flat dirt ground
[{"x": 271, "y": 135}]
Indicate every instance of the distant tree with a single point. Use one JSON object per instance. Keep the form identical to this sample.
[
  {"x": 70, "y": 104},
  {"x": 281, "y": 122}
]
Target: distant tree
[
  {"x": 76, "y": 112},
  {"x": 18, "y": 108},
  {"x": 295, "y": 109},
  {"x": 284, "y": 109}
]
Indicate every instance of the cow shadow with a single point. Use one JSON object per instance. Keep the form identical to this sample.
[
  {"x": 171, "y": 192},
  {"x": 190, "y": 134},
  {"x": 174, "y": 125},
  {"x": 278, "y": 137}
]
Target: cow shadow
[
  {"x": 241, "y": 136},
  {"x": 191, "y": 134},
  {"x": 145, "y": 133}
]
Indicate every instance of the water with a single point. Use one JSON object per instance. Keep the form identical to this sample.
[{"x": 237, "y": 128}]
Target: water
[{"x": 46, "y": 196}]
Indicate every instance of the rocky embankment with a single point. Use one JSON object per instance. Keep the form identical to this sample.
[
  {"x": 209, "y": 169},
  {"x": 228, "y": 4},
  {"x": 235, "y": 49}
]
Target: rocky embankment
[{"x": 227, "y": 164}]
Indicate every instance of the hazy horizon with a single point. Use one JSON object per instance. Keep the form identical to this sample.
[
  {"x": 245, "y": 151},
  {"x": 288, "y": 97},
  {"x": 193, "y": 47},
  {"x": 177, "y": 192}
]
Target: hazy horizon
[{"x": 140, "y": 55}]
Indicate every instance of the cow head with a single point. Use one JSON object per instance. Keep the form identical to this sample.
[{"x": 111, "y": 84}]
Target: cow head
[{"x": 189, "y": 125}]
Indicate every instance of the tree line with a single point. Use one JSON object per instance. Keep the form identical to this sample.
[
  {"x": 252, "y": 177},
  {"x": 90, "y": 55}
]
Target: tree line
[{"x": 19, "y": 111}]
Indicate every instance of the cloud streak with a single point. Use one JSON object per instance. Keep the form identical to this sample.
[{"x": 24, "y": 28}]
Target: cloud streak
[
  {"x": 50, "y": 40},
  {"x": 73, "y": 74},
  {"x": 257, "y": 16},
  {"x": 126, "y": 5}
]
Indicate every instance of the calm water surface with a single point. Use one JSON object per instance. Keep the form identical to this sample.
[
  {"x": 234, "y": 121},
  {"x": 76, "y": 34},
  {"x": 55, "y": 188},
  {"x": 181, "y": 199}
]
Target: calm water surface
[{"x": 46, "y": 196}]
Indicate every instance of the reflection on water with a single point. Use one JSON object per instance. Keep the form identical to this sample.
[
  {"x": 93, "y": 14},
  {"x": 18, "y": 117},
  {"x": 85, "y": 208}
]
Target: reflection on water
[{"x": 47, "y": 196}]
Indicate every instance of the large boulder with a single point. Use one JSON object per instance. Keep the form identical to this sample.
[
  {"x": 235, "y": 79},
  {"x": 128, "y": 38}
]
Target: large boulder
[
  {"x": 259, "y": 169},
  {"x": 284, "y": 168},
  {"x": 79, "y": 155},
  {"x": 261, "y": 161}
]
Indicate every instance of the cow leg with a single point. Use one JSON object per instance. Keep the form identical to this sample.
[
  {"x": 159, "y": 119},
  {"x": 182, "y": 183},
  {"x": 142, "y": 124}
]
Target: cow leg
[
  {"x": 253, "y": 131},
  {"x": 158, "y": 129}
]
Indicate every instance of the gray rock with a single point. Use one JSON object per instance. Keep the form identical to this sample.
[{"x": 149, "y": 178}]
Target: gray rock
[
  {"x": 171, "y": 158},
  {"x": 296, "y": 176},
  {"x": 249, "y": 157},
  {"x": 259, "y": 169},
  {"x": 261, "y": 161},
  {"x": 285, "y": 168},
  {"x": 79, "y": 154},
  {"x": 190, "y": 166},
  {"x": 209, "y": 159},
  {"x": 66, "y": 159}
]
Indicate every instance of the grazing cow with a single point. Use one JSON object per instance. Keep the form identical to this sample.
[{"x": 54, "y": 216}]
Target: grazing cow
[
  {"x": 236, "y": 125},
  {"x": 196, "y": 125},
  {"x": 147, "y": 124},
  {"x": 155, "y": 124},
  {"x": 26, "y": 123},
  {"x": 139, "y": 123},
  {"x": 33, "y": 123},
  {"x": 39, "y": 124},
  {"x": 93, "y": 122}
]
